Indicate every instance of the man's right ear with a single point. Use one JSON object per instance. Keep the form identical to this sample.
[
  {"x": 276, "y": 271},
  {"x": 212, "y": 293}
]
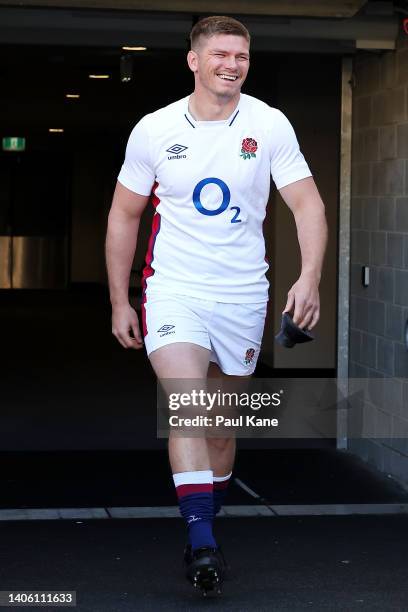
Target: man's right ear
[{"x": 192, "y": 59}]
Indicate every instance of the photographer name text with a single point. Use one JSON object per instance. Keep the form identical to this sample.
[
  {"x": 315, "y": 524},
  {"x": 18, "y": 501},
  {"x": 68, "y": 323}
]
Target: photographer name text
[{"x": 219, "y": 420}]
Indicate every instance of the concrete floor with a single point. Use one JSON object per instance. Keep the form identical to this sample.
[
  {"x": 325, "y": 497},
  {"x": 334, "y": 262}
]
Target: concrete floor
[{"x": 278, "y": 564}]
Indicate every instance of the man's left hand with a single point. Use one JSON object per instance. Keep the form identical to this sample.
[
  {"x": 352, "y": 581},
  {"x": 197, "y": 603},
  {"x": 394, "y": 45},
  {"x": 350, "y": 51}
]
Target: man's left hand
[{"x": 304, "y": 301}]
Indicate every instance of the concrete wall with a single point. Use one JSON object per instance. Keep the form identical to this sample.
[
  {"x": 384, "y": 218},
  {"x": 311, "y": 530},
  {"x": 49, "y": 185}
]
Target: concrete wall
[{"x": 380, "y": 240}]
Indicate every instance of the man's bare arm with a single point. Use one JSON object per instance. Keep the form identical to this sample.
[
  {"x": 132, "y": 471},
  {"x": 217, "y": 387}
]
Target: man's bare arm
[
  {"x": 121, "y": 239},
  {"x": 304, "y": 200}
]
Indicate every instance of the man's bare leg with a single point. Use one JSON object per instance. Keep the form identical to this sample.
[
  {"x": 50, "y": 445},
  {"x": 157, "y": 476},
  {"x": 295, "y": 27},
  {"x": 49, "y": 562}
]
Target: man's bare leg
[
  {"x": 181, "y": 368},
  {"x": 184, "y": 360},
  {"x": 221, "y": 451}
]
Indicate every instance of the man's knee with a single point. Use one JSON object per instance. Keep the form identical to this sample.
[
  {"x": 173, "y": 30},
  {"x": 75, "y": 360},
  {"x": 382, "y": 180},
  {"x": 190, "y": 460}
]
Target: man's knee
[
  {"x": 214, "y": 371},
  {"x": 221, "y": 444}
]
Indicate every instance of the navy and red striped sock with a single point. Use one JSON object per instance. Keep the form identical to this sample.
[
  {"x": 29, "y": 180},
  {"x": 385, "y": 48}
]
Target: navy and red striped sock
[
  {"x": 195, "y": 497},
  {"x": 220, "y": 484}
]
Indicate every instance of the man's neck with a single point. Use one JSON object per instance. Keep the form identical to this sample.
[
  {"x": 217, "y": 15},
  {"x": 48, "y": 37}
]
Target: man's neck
[{"x": 210, "y": 108}]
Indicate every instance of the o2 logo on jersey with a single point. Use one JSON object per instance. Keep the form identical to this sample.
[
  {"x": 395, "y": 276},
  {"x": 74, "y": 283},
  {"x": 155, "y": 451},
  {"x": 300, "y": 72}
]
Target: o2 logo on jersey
[{"x": 226, "y": 198}]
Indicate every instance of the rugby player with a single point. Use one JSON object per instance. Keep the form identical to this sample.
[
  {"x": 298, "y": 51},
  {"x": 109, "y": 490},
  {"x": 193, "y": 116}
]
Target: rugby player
[{"x": 206, "y": 161}]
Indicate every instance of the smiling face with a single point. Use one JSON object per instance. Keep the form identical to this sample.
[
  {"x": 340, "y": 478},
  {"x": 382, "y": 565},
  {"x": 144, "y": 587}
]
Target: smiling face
[{"x": 220, "y": 64}]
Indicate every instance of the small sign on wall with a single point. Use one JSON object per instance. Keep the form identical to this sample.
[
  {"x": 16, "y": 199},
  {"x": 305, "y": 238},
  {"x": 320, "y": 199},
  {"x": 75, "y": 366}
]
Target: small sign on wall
[{"x": 14, "y": 143}]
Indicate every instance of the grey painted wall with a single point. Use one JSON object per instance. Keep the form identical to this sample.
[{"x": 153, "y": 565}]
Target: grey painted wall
[{"x": 380, "y": 240}]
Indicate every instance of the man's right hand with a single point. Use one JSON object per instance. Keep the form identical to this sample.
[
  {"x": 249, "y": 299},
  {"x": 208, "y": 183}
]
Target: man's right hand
[{"x": 124, "y": 320}]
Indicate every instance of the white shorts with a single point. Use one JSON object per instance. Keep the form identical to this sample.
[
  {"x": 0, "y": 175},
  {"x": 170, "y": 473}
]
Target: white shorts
[{"x": 232, "y": 332}]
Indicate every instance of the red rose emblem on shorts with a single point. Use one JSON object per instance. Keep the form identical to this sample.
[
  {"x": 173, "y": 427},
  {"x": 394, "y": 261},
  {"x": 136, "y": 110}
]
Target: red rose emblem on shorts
[
  {"x": 248, "y": 148},
  {"x": 249, "y": 356}
]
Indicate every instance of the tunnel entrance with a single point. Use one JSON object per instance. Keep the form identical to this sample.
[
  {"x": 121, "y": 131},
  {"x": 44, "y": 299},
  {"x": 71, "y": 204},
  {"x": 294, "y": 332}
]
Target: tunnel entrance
[{"x": 55, "y": 197}]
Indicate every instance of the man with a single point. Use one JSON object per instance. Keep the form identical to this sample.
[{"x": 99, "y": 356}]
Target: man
[{"x": 207, "y": 160}]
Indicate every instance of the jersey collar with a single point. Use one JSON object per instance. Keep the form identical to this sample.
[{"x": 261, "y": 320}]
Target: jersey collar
[{"x": 211, "y": 124}]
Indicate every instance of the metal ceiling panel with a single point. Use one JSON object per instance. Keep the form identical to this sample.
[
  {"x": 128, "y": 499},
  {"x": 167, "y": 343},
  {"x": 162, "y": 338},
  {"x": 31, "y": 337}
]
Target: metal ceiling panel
[
  {"x": 161, "y": 31},
  {"x": 294, "y": 8}
]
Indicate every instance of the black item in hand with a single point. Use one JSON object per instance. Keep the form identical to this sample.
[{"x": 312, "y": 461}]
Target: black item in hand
[{"x": 290, "y": 334}]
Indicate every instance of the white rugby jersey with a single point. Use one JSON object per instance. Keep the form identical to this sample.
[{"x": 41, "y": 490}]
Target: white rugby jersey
[{"x": 210, "y": 182}]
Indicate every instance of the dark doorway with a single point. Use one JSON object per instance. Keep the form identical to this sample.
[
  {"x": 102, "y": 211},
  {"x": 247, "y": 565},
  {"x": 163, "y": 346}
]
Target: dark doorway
[{"x": 34, "y": 222}]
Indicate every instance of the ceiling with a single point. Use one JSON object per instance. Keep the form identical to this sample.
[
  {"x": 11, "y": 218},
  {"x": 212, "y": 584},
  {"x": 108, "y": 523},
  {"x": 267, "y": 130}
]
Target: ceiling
[
  {"x": 298, "y": 8},
  {"x": 374, "y": 26}
]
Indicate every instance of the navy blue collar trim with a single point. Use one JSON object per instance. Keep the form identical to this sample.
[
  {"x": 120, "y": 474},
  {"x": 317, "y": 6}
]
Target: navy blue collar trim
[
  {"x": 229, "y": 125},
  {"x": 233, "y": 119},
  {"x": 192, "y": 125}
]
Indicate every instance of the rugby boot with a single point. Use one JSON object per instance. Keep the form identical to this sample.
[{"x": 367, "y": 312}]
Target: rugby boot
[
  {"x": 188, "y": 557},
  {"x": 206, "y": 570}
]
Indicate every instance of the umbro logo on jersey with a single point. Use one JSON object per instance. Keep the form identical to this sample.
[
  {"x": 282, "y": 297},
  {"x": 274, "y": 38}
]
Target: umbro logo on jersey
[
  {"x": 165, "y": 330},
  {"x": 177, "y": 149}
]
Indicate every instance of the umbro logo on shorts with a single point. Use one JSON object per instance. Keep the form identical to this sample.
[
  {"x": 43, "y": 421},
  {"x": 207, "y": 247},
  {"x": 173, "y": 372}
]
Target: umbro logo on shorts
[
  {"x": 165, "y": 330},
  {"x": 177, "y": 149}
]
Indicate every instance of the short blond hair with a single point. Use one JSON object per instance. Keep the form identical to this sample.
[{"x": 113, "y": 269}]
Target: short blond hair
[{"x": 217, "y": 24}]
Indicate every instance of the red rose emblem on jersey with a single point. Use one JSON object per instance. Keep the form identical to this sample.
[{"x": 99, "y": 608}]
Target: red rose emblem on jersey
[{"x": 248, "y": 148}]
